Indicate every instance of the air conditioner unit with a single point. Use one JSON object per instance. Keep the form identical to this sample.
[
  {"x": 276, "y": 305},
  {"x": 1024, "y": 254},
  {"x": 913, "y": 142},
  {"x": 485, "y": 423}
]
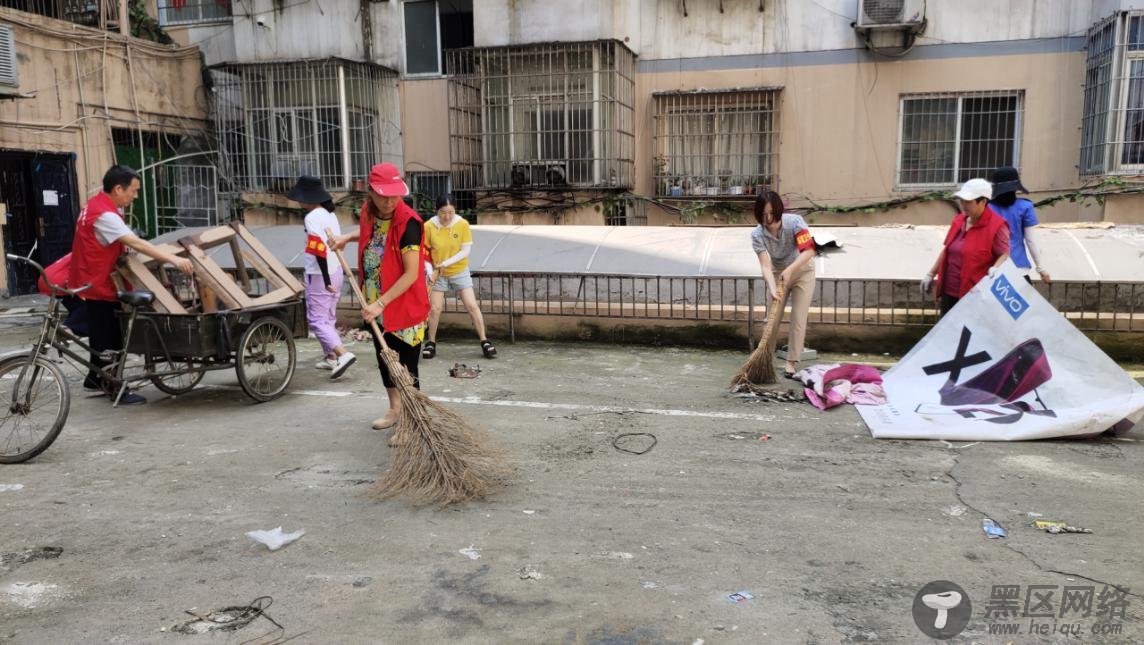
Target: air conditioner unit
[
  {"x": 9, "y": 76},
  {"x": 891, "y": 14}
]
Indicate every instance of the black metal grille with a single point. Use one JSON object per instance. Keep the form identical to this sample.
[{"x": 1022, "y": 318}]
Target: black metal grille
[
  {"x": 330, "y": 118},
  {"x": 549, "y": 116}
]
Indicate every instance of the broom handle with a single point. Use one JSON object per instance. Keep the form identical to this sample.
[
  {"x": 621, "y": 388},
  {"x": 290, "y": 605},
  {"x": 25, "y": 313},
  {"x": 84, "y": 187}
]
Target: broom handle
[
  {"x": 353, "y": 284},
  {"x": 772, "y": 321}
]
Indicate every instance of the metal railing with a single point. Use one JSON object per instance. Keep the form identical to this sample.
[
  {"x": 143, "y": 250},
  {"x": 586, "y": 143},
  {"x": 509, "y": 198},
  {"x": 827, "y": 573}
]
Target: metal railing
[
  {"x": 542, "y": 116},
  {"x": 186, "y": 195},
  {"x": 100, "y": 14},
  {"x": 189, "y": 12},
  {"x": 331, "y": 118},
  {"x": 1090, "y": 306},
  {"x": 715, "y": 142}
]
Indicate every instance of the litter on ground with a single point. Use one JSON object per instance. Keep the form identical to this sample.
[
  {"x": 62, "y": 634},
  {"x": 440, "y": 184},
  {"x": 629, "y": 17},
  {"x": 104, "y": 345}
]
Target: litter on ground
[{"x": 275, "y": 539}]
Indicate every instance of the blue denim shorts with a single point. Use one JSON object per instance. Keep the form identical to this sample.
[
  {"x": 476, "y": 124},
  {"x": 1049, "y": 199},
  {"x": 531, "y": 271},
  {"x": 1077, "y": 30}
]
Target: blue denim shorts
[{"x": 463, "y": 280}]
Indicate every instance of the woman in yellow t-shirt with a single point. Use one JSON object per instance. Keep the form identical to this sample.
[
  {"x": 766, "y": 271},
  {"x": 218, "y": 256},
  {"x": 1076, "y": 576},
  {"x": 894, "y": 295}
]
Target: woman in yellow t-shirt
[{"x": 450, "y": 240}]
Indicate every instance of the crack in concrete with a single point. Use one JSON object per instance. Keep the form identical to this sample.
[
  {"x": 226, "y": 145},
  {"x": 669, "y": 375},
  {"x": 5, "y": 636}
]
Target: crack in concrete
[{"x": 1033, "y": 561}]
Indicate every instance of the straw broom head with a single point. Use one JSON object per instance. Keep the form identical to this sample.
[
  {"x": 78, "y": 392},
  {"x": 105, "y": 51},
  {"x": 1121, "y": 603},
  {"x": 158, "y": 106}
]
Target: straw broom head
[
  {"x": 759, "y": 368},
  {"x": 442, "y": 459}
]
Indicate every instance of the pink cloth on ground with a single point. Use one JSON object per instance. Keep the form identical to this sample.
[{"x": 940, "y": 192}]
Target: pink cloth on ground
[{"x": 832, "y": 385}]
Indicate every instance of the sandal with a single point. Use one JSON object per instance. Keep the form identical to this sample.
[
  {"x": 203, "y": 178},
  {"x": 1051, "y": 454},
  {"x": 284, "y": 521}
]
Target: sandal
[
  {"x": 430, "y": 349},
  {"x": 488, "y": 349}
]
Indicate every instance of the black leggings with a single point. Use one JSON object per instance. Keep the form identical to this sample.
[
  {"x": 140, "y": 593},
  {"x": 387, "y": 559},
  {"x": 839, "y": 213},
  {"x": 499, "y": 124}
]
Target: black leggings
[
  {"x": 947, "y": 303},
  {"x": 407, "y": 355}
]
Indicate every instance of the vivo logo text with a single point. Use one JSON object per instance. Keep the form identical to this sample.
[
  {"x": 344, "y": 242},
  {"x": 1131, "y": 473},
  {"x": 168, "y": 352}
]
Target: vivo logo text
[{"x": 1008, "y": 296}]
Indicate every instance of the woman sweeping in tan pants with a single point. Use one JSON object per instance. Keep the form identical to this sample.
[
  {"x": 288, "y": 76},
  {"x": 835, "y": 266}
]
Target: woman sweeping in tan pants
[{"x": 786, "y": 253}]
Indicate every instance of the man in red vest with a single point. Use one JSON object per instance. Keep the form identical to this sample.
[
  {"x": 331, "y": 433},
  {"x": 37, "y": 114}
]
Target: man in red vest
[{"x": 101, "y": 236}]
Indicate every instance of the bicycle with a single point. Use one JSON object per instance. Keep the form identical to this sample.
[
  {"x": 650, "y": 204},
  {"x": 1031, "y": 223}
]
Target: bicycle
[{"x": 36, "y": 392}]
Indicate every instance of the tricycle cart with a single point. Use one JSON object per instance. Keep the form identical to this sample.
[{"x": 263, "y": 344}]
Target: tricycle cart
[
  {"x": 258, "y": 342},
  {"x": 179, "y": 337}
]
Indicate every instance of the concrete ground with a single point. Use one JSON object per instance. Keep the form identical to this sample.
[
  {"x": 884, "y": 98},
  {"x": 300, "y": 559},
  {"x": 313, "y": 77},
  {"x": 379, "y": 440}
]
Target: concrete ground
[{"x": 831, "y": 531}]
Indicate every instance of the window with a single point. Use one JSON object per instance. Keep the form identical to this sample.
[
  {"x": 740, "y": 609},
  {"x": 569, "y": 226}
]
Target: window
[
  {"x": 9, "y": 72},
  {"x": 1101, "y": 46},
  {"x": 952, "y": 137},
  {"x": 186, "y": 12},
  {"x": 718, "y": 142},
  {"x": 431, "y": 27},
  {"x": 98, "y": 14},
  {"x": 329, "y": 118},
  {"x": 1112, "y": 127},
  {"x": 1132, "y": 120},
  {"x": 548, "y": 116},
  {"x": 429, "y": 185}
]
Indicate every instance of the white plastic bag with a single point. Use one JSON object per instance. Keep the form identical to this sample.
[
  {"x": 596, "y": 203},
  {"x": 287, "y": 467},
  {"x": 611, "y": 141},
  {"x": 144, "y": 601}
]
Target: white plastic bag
[{"x": 275, "y": 539}]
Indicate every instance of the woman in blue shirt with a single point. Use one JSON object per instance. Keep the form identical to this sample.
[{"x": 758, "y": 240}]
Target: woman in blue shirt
[{"x": 1022, "y": 219}]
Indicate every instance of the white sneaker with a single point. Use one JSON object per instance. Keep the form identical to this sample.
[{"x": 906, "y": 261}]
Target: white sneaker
[
  {"x": 326, "y": 364},
  {"x": 341, "y": 364}
]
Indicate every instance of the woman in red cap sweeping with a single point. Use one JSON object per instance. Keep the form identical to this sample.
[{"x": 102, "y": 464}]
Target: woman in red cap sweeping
[{"x": 391, "y": 271}]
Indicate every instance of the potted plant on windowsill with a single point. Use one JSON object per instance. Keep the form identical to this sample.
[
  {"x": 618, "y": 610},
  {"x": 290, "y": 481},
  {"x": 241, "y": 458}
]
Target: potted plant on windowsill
[
  {"x": 663, "y": 180},
  {"x": 735, "y": 185},
  {"x": 762, "y": 182},
  {"x": 713, "y": 186}
]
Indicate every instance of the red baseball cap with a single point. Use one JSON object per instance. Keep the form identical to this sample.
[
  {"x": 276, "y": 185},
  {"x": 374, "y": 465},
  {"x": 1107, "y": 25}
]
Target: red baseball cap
[{"x": 385, "y": 180}]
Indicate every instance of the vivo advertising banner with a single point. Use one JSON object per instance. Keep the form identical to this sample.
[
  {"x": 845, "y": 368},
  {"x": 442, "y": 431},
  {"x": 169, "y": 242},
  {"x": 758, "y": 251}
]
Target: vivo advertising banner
[{"x": 1004, "y": 365}]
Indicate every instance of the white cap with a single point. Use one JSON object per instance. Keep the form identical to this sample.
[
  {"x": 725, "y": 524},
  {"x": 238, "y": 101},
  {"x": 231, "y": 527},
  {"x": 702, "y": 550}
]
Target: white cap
[{"x": 975, "y": 189}]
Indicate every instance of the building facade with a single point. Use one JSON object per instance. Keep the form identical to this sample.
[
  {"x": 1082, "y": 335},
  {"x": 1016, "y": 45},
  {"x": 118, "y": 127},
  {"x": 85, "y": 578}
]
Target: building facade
[
  {"x": 76, "y": 96},
  {"x": 842, "y": 104},
  {"x": 675, "y": 112},
  {"x": 668, "y": 112}
]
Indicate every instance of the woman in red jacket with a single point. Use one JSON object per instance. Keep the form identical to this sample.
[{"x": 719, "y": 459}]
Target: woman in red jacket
[
  {"x": 391, "y": 271},
  {"x": 977, "y": 241}
]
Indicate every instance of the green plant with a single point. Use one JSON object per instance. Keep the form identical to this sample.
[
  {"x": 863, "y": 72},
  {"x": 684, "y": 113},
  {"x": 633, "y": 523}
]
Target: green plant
[
  {"x": 144, "y": 26},
  {"x": 424, "y": 205},
  {"x": 689, "y": 213}
]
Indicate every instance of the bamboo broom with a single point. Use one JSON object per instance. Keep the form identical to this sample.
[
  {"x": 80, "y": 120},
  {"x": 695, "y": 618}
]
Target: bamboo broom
[
  {"x": 444, "y": 460},
  {"x": 760, "y": 367}
]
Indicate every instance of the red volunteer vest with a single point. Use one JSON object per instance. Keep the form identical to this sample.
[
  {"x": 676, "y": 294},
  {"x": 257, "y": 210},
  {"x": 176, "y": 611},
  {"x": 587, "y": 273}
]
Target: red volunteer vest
[
  {"x": 977, "y": 252},
  {"x": 91, "y": 262},
  {"x": 56, "y": 273},
  {"x": 412, "y": 307}
]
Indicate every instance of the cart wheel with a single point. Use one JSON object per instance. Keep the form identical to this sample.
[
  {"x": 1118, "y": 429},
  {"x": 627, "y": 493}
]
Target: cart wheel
[
  {"x": 265, "y": 360},
  {"x": 183, "y": 381},
  {"x": 34, "y": 405}
]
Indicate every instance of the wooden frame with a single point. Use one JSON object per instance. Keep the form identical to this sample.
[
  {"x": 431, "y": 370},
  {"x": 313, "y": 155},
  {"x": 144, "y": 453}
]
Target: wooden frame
[{"x": 214, "y": 282}]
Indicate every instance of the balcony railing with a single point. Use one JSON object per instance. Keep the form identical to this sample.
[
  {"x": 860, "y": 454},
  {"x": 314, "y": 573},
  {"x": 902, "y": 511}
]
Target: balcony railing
[
  {"x": 99, "y": 14},
  {"x": 190, "y": 12}
]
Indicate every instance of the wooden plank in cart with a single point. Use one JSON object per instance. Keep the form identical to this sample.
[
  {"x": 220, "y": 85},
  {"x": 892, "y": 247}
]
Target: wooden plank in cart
[
  {"x": 260, "y": 266},
  {"x": 268, "y": 258},
  {"x": 212, "y": 237},
  {"x": 208, "y": 271},
  {"x": 278, "y": 295},
  {"x": 239, "y": 265},
  {"x": 137, "y": 273}
]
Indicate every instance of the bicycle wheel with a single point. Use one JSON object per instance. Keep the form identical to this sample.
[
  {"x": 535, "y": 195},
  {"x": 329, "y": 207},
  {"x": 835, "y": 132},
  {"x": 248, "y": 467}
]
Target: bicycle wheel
[
  {"x": 265, "y": 359},
  {"x": 184, "y": 381},
  {"x": 34, "y": 405}
]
